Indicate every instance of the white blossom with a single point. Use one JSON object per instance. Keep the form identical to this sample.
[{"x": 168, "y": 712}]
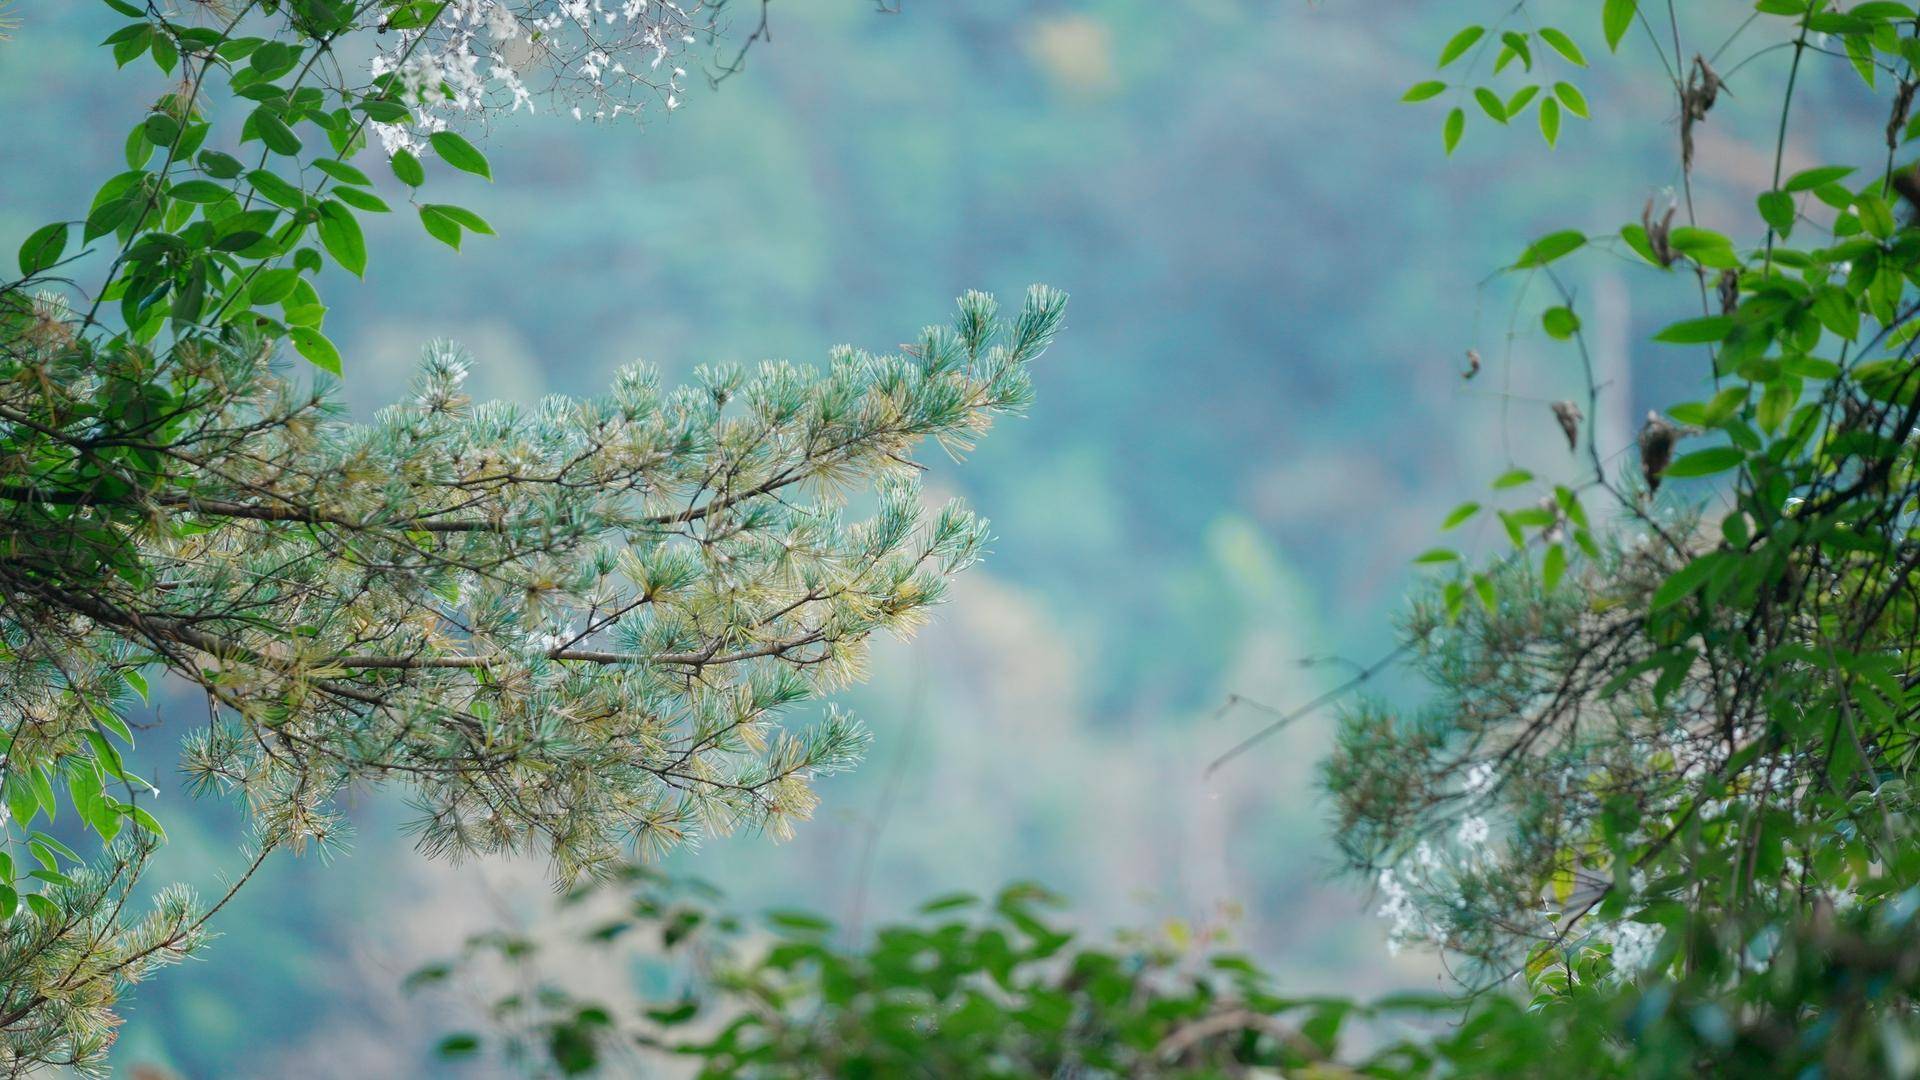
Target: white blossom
[
  {"x": 1480, "y": 778},
  {"x": 1633, "y": 946},
  {"x": 483, "y": 58},
  {"x": 1473, "y": 832},
  {"x": 1400, "y": 909}
]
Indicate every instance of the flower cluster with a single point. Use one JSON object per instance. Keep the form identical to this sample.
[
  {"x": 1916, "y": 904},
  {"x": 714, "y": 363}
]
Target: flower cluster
[
  {"x": 593, "y": 59},
  {"x": 1634, "y": 945},
  {"x": 1425, "y": 895}
]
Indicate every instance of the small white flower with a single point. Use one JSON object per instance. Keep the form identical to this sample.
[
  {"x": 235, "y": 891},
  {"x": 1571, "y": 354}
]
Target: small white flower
[
  {"x": 1633, "y": 947},
  {"x": 592, "y": 58},
  {"x": 1473, "y": 832},
  {"x": 1480, "y": 778}
]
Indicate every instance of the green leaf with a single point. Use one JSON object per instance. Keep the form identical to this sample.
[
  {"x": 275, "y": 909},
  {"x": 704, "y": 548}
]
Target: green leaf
[
  {"x": 1636, "y": 238},
  {"x": 21, "y": 801},
  {"x": 314, "y": 345},
  {"x": 52, "y": 877},
  {"x": 361, "y": 200},
  {"x": 1724, "y": 404},
  {"x": 43, "y": 248},
  {"x": 1560, "y": 323},
  {"x": 104, "y": 754},
  {"x": 1514, "y": 44},
  {"x": 1512, "y": 478},
  {"x": 1437, "y": 555},
  {"x": 1553, "y": 566},
  {"x": 1781, "y": 396},
  {"x": 408, "y": 169},
  {"x": 107, "y": 217},
  {"x": 273, "y": 286},
  {"x": 1571, "y": 98},
  {"x": 342, "y": 172},
  {"x": 1684, "y": 582},
  {"x": 1615, "y": 17},
  {"x": 463, "y": 217},
  {"x": 1777, "y": 210},
  {"x": 204, "y": 192},
  {"x": 46, "y": 847},
  {"x": 126, "y": 48},
  {"x": 1455, "y": 126},
  {"x": 1460, "y": 513},
  {"x": 1550, "y": 121},
  {"x": 458, "y": 1045},
  {"x": 1875, "y": 215},
  {"x": 1837, "y": 312},
  {"x": 414, "y": 14},
  {"x": 273, "y": 59},
  {"x": 1860, "y": 52},
  {"x": 277, "y": 189},
  {"x": 301, "y": 314},
  {"x": 1704, "y": 246},
  {"x": 1459, "y": 44},
  {"x": 98, "y": 810},
  {"x": 237, "y": 240},
  {"x": 43, "y": 790},
  {"x": 1809, "y": 367},
  {"x": 1696, "y": 331},
  {"x": 1490, "y": 103},
  {"x": 1423, "y": 90},
  {"x": 273, "y": 131},
  {"x": 1808, "y": 179},
  {"x": 948, "y": 902},
  {"x": 385, "y": 112},
  {"x": 145, "y": 820},
  {"x": 460, "y": 153},
  {"x": 800, "y": 922},
  {"x": 1550, "y": 247},
  {"x": 112, "y": 722},
  {"x": 1559, "y": 42},
  {"x": 165, "y": 53},
  {"x": 161, "y": 129},
  {"x": 220, "y": 166},
  {"x": 340, "y": 235},
  {"x": 1705, "y": 462},
  {"x": 677, "y": 1014},
  {"x": 440, "y": 226},
  {"x": 191, "y": 294},
  {"x": 1516, "y": 529},
  {"x": 138, "y": 149}
]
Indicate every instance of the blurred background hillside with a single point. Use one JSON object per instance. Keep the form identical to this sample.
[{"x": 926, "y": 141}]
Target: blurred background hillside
[{"x": 1255, "y": 418}]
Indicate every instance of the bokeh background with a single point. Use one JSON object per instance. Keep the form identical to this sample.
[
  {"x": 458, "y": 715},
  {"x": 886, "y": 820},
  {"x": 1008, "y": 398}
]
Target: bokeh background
[{"x": 1255, "y": 418}]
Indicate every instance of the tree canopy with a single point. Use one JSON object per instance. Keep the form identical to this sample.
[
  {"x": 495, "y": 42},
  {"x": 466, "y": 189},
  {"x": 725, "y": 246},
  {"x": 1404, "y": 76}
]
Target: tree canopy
[{"x": 578, "y": 628}]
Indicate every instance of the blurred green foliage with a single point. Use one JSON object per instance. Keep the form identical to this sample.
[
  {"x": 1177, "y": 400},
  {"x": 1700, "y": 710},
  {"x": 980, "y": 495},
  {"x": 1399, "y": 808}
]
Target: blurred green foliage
[{"x": 997, "y": 987}]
